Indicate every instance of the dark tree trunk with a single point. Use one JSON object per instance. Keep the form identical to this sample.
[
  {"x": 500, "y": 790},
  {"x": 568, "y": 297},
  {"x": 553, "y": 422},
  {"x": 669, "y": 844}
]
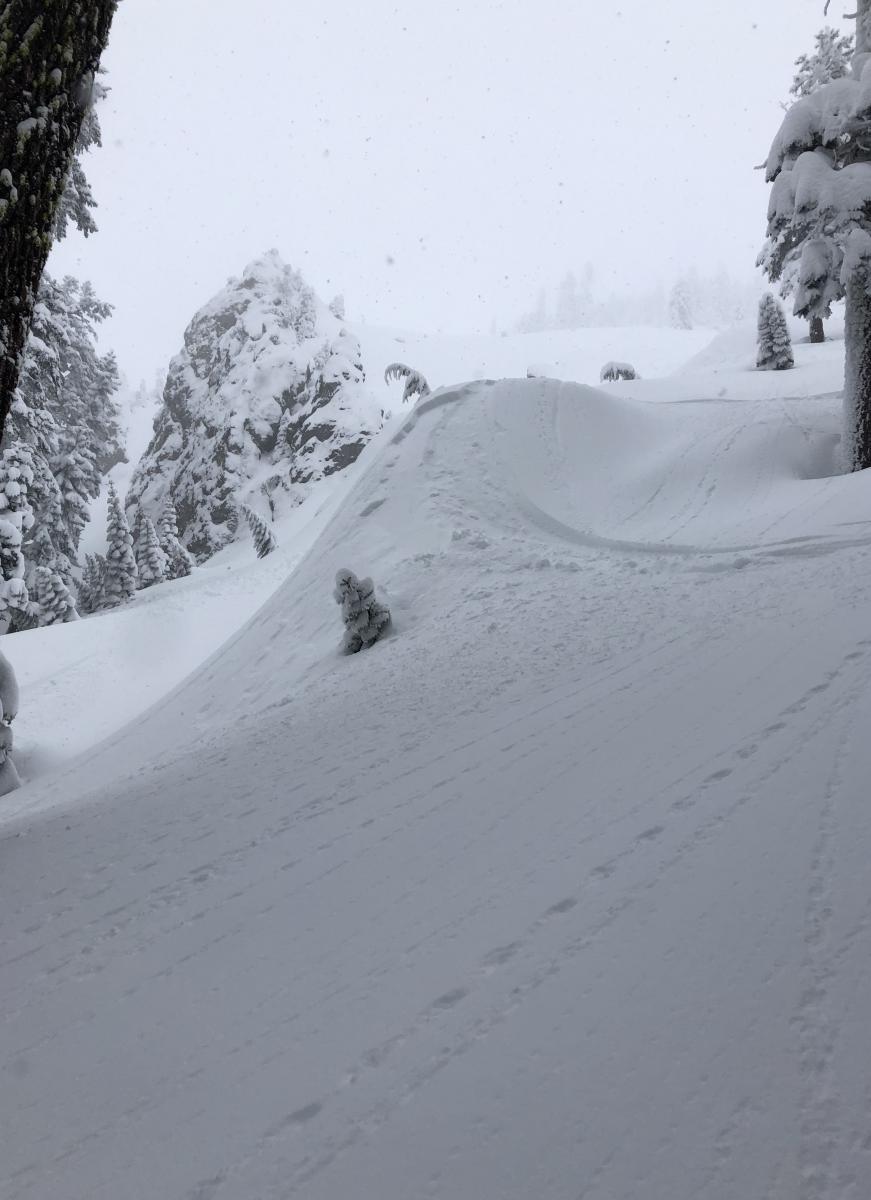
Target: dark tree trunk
[
  {"x": 49, "y": 53},
  {"x": 857, "y": 375},
  {"x": 818, "y": 333}
]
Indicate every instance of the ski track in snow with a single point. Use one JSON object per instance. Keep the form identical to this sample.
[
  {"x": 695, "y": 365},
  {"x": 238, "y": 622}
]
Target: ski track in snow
[{"x": 557, "y": 892}]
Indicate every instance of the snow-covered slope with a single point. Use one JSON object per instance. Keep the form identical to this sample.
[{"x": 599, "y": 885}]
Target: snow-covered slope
[{"x": 559, "y": 891}]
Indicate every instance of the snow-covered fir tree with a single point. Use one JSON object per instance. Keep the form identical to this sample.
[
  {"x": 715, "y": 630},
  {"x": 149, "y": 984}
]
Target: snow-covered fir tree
[
  {"x": 120, "y": 581},
  {"x": 64, "y": 409},
  {"x": 16, "y": 518},
  {"x": 151, "y": 562},
  {"x": 782, "y": 255},
  {"x": 179, "y": 562},
  {"x": 56, "y": 604},
  {"x": 267, "y": 396},
  {"x": 137, "y": 532},
  {"x": 819, "y": 220},
  {"x": 773, "y": 343},
  {"x": 91, "y": 597},
  {"x": 680, "y": 312},
  {"x": 337, "y": 307},
  {"x": 264, "y": 540},
  {"x": 829, "y": 59},
  {"x": 366, "y": 618}
]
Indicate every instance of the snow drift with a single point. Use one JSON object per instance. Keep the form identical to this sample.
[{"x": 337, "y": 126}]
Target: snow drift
[{"x": 555, "y": 891}]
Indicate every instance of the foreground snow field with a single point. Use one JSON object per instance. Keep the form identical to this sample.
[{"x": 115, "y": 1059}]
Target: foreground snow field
[{"x": 558, "y": 892}]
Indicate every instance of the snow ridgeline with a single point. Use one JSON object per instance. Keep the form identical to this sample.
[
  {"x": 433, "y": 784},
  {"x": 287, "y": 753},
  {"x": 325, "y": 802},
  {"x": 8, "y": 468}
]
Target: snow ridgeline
[{"x": 267, "y": 397}]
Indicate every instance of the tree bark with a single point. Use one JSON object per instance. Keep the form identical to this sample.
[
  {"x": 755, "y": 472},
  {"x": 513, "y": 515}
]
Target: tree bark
[
  {"x": 818, "y": 333},
  {"x": 49, "y": 53},
  {"x": 857, "y": 374}
]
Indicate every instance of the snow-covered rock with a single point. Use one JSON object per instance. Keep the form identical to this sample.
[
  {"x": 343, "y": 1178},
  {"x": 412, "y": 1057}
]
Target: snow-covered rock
[{"x": 267, "y": 396}]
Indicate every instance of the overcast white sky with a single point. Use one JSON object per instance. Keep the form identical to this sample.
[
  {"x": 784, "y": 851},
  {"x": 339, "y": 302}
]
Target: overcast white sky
[{"x": 435, "y": 162}]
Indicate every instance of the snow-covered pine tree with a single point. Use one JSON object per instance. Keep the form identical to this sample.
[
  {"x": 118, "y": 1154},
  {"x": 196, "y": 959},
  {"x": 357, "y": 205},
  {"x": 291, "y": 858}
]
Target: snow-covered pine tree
[
  {"x": 47, "y": 71},
  {"x": 44, "y": 553},
  {"x": 819, "y": 215},
  {"x": 92, "y": 584},
  {"x": 829, "y": 59},
  {"x": 415, "y": 381},
  {"x": 337, "y": 307},
  {"x": 56, "y": 604},
  {"x": 264, "y": 540},
  {"x": 137, "y": 533},
  {"x": 16, "y": 517},
  {"x": 152, "y": 562},
  {"x": 121, "y": 574},
  {"x": 366, "y": 618},
  {"x": 680, "y": 312},
  {"x": 773, "y": 344},
  {"x": 250, "y": 409},
  {"x": 64, "y": 411},
  {"x": 75, "y": 472},
  {"x": 781, "y": 257},
  {"x": 180, "y": 563},
  {"x": 64, "y": 408}
]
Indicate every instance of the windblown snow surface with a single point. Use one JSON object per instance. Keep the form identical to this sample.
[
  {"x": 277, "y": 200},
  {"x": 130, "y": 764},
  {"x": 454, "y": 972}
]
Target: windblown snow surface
[{"x": 561, "y": 891}]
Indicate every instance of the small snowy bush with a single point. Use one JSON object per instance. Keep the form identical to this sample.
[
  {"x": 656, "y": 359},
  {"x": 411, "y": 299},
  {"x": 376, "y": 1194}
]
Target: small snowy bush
[
  {"x": 617, "y": 370},
  {"x": 774, "y": 348},
  {"x": 366, "y": 619},
  {"x": 415, "y": 381}
]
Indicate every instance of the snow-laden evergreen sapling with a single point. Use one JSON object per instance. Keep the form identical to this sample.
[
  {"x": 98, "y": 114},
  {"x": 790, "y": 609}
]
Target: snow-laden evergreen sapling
[
  {"x": 415, "y": 381},
  {"x": 830, "y": 59},
  {"x": 179, "y": 561},
  {"x": 56, "y": 604},
  {"x": 781, "y": 257},
  {"x": 366, "y": 618},
  {"x": 136, "y": 533},
  {"x": 152, "y": 564},
  {"x": 92, "y": 584},
  {"x": 264, "y": 541},
  {"x": 819, "y": 214},
  {"x": 120, "y": 582},
  {"x": 773, "y": 345}
]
